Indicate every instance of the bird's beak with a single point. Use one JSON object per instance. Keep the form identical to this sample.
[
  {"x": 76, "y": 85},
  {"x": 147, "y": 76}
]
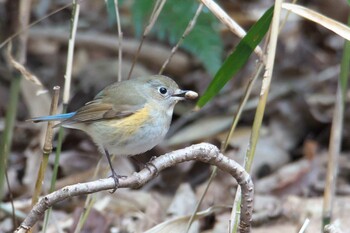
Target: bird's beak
[{"x": 185, "y": 94}]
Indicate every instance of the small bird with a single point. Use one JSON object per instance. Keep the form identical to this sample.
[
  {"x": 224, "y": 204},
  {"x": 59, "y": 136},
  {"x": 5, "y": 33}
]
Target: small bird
[{"x": 127, "y": 118}]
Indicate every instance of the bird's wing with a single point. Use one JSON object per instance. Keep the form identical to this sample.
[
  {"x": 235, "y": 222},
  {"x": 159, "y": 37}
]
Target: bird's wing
[
  {"x": 101, "y": 111},
  {"x": 110, "y": 103}
]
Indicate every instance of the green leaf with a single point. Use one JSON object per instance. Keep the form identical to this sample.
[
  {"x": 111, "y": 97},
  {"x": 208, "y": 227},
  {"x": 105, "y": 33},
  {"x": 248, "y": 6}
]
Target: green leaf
[
  {"x": 204, "y": 41},
  {"x": 235, "y": 61},
  {"x": 112, "y": 17},
  {"x": 141, "y": 11}
]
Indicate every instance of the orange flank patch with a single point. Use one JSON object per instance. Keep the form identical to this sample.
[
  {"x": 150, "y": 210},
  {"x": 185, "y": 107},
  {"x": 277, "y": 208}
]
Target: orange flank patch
[{"x": 129, "y": 125}]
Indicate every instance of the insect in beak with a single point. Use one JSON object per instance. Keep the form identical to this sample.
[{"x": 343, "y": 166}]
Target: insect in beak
[{"x": 184, "y": 94}]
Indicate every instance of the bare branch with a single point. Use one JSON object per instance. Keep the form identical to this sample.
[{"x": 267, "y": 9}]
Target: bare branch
[
  {"x": 203, "y": 152},
  {"x": 230, "y": 23}
]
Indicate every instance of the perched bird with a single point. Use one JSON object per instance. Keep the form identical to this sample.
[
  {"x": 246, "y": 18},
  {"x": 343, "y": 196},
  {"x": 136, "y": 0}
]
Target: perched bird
[{"x": 128, "y": 117}]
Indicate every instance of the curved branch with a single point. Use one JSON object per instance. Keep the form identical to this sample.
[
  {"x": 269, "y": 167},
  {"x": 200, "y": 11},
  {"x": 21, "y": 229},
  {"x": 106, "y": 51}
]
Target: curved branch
[{"x": 203, "y": 152}]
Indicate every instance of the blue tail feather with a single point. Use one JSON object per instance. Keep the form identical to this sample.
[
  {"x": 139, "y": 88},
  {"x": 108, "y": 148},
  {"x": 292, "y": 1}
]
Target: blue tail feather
[{"x": 57, "y": 117}]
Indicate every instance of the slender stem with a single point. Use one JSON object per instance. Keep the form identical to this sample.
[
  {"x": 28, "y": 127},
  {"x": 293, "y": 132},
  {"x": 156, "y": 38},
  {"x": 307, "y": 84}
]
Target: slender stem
[
  {"x": 154, "y": 16},
  {"x": 47, "y": 147},
  {"x": 120, "y": 40},
  {"x": 54, "y": 173},
  {"x": 23, "y": 30},
  {"x": 188, "y": 29},
  {"x": 85, "y": 214},
  {"x": 211, "y": 178},
  {"x": 335, "y": 138},
  {"x": 236, "y": 209},
  {"x": 66, "y": 95},
  {"x": 304, "y": 226},
  {"x": 238, "y": 114},
  {"x": 20, "y": 56},
  {"x": 6, "y": 139},
  {"x": 232, "y": 25},
  {"x": 249, "y": 158},
  {"x": 333, "y": 156},
  {"x": 265, "y": 86},
  {"x": 13, "y": 209},
  {"x": 70, "y": 54}
]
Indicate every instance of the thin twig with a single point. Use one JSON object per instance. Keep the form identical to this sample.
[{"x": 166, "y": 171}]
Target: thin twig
[
  {"x": 240, "y": 109},
  {"x": 304, "y": 226},
  {"x": 203, "y": 152},
  {"x": 333, "y": 157},
  {"x": 237, "y": 116},
  {"x": 85, "y": 213},
  {"x": 20, "y": 67},
  {"x": 20, "y": 56},
  {"x": 236, "y": 209},
  {"x": 90, "y": 200},
  {"x": 188, "y": 29},
  {"x": 230, "y": 23},
  {"x": 335, "y": 137},
  {"x": 284, "y": 21},
  {"x": 211, "y": 178},
  {"x": 70, "y": 54},
  {"x": 66, "y": 97},
  {"x": 266, "y": 82},
  {"x": 14, "y": 219},
  {"x": 154, "y": 16},
  {"x": 120, "y": 41},
  {"x": 47, "y": 149},
  {"x": 236, "y": 205},
  {"x": 25, "y": 29}
]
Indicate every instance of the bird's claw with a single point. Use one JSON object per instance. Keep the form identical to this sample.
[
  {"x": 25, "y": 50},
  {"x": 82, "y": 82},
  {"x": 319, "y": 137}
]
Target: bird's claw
[
  {"x": 149, "y": 164},
  {"x": 116, "y": 178}
]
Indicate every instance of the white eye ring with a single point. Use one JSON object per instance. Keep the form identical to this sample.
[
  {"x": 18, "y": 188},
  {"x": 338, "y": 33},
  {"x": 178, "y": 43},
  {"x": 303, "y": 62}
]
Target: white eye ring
[{"x": 162, "y": 90}]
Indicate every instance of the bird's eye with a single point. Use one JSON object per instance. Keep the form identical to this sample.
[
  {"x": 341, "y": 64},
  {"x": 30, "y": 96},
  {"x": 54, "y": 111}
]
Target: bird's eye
[{"x": 162, "y": 90}]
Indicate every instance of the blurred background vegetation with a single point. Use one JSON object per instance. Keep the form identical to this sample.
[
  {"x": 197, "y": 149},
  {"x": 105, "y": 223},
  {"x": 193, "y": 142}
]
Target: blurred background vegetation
[{"x": 289, "y": 169}]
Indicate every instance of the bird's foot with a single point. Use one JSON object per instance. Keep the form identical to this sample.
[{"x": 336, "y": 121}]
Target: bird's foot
[
  {"x": 149, "y": 164},
  {"x": 116, "y": 178}
]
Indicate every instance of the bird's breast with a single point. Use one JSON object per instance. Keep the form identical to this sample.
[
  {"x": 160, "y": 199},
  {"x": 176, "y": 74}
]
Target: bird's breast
[{"x": 131, "y": 135}]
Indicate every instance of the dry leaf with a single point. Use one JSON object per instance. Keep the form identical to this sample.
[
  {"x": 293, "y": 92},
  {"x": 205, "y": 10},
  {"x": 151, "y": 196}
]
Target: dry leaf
[
  {"x": 339, "y": 28},
  {"x": 179, "y": 225},
  {"x": 26, "y": 74}
]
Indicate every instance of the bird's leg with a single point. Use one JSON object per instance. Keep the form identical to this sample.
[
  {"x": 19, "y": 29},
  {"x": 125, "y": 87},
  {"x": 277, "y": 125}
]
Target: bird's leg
[
  {"x": 150, "y": 164},
  {"x": 114, "y": 175}
]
